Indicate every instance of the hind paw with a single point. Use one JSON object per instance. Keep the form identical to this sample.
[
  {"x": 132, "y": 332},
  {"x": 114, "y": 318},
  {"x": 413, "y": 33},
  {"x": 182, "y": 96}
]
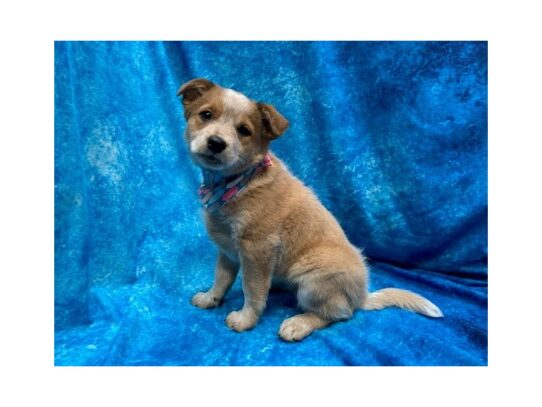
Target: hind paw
[{"x": 294, "y": 329}]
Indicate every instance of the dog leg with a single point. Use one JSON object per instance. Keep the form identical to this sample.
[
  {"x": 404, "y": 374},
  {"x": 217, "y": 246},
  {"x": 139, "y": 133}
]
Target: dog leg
[
  {"x": 225, "y": 272},
  {"x": 256, "y": 285},
  {"x": 301, "y": 325},
  {"x": 325, "y": 297}
]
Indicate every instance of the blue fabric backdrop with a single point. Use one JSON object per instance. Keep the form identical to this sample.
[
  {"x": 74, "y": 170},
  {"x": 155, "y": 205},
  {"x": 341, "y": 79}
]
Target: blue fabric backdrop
[{"x": 392, "y": 136}]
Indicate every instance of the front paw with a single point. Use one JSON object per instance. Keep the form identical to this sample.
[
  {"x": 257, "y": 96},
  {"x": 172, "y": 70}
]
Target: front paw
[
  {"x": 241, "y": 321},
  {"x": 205, "y": 300}
]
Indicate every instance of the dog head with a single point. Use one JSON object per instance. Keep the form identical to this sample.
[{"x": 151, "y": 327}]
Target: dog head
[{"x": 226, "y": 131}]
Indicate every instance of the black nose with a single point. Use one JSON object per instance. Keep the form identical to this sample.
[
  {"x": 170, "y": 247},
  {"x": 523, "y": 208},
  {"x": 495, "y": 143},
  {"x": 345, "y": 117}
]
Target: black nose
[{"x": 215, "y": 144}]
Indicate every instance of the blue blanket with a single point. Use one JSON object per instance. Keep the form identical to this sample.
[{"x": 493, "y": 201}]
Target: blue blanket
[{"x": 392, "y": 136}]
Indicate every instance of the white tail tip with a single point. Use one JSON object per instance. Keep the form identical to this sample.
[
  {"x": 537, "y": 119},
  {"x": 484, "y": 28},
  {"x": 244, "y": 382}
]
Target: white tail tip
[{"x": 431, "y": 310}]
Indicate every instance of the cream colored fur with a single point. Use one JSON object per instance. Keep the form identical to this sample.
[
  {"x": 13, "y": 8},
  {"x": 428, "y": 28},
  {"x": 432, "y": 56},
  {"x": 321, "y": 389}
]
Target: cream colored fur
[{"x": 277, "y": 228}]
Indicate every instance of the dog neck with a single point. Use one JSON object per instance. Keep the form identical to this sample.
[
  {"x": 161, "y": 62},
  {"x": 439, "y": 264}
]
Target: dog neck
[{"x": 217, "y": 190}]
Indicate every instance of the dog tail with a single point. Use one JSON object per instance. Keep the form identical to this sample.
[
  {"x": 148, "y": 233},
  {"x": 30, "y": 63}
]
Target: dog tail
[{"x": 394, "y": 297}]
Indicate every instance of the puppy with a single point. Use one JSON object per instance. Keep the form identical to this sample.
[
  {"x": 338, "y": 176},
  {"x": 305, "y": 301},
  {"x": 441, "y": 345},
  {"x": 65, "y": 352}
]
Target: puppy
[{"x": 267, "y": 223}]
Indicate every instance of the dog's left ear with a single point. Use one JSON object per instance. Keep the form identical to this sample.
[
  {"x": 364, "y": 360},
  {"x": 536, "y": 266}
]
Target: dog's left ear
[
  {"x": 193, "y": 89},
  {"x": 274, "y": 123}
]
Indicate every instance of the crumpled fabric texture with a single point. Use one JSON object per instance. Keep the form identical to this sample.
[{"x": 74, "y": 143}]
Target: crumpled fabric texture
[{"x": 392, "y": 137}]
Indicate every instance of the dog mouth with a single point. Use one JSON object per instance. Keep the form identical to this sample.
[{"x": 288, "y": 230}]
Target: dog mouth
[{"x": 209, "y": 159}]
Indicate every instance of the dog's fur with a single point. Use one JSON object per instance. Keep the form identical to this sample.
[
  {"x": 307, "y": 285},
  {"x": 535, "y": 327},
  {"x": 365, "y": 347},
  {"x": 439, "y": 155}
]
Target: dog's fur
[{"x": 275, "y": 228}]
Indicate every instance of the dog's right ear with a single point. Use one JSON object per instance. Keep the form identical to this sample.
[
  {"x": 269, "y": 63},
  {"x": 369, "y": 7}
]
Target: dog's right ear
[{"x": 193, "y": 89}]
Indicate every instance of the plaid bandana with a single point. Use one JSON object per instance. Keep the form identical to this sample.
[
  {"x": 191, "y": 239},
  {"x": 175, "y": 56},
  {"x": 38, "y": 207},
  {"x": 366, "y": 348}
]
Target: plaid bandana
[{"x": 216, "y": 190}]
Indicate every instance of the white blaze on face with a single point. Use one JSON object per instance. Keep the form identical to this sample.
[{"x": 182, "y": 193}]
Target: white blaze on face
[{"x": 236, "y": 103}]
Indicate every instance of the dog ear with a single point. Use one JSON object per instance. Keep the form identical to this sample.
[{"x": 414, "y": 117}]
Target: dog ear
[
  {"x": 274, "y": 123},
  {"x": 193, "y": 89}
]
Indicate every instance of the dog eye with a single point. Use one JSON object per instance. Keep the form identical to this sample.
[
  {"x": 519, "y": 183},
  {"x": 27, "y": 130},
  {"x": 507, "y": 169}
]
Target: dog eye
[
  {"x": 243, "y": 130},
  {"x": 205, "y": 115}
]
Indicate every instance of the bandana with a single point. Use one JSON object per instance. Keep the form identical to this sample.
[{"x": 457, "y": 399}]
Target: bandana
[{"x": 216, "y": 190}]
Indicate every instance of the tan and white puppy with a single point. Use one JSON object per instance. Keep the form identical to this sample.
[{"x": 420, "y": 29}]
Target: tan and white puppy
[{"x": 275, "y": 228}]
